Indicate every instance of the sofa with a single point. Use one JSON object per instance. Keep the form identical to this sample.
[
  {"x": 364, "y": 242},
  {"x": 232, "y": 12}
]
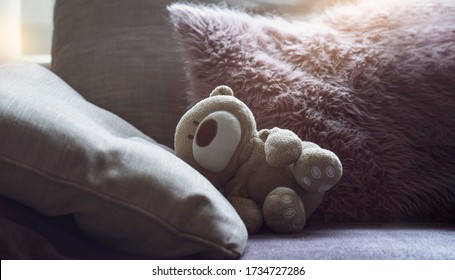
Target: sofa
[{"x": 86, "y": 147}]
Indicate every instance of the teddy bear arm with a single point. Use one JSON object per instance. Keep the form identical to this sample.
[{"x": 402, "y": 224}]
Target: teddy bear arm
[
  {"x": 282, "y": 147},
  {"x": 249, "y": 212},
  {"x": 309, "y": 145}
]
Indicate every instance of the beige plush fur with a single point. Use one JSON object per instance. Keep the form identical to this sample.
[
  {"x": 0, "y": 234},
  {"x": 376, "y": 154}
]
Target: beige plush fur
[{"x": 268, "y": 175}]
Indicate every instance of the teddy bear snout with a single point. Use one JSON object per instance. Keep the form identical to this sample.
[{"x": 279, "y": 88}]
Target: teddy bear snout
[{"x": 216, "y": 140}]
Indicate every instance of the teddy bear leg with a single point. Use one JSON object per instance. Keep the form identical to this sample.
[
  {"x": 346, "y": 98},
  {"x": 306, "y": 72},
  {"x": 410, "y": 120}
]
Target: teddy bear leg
[
  {"x": 249, "y": 212},
  {"x": 283, "y": 211},
  {"x": 317, "y": 169}
]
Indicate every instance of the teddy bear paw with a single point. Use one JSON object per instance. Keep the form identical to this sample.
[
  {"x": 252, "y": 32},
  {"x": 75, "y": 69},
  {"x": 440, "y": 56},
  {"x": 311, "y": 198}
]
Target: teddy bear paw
[
  {"x": 283, "y": 211},
  {"x": 317, "y": 170}
]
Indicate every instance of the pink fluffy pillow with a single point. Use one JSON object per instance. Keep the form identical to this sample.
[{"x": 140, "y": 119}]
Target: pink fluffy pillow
[{"x": 375, "y": 83}]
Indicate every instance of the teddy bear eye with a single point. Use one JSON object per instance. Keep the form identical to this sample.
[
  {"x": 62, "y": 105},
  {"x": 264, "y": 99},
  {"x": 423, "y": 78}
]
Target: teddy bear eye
[{"x": 216, "y": 140}]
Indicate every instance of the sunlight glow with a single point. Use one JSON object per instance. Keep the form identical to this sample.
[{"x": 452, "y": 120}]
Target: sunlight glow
[{"x": 10, "y": 29}]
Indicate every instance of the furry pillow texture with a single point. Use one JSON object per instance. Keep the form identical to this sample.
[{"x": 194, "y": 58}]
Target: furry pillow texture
[{"x": 373, "y": 82}]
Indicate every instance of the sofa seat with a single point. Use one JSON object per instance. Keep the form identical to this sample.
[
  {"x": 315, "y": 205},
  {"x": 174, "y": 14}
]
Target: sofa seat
[{"x": 357, "y": 241}]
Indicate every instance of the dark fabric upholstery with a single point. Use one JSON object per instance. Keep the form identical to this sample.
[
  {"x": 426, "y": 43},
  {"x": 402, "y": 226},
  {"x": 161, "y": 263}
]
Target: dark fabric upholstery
[
  {"x": 26, "y": 234},
  {"x": 356, "y": 242}
]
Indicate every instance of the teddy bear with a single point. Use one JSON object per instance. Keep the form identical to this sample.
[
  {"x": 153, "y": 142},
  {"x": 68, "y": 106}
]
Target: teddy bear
[{"x": 269, "y": 176}]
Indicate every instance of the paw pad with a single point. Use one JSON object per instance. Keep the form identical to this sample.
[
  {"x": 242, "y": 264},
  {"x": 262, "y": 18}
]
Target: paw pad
[
  {"x": 288, "y": 213},
  {"x": 330, "y": 171},
  {"x": 324, "y": 188},
  {"x": 307, "y": 181},
  {"x": 315, "y": 171},
  {"x": 286, "y": 198}
]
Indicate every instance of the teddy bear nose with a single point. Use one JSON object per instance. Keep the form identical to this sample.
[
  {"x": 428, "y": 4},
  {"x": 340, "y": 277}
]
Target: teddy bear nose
[{"x": 206, "y": 132}]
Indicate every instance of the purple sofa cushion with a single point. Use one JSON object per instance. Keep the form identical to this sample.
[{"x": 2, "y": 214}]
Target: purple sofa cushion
[{"x": 357, "y": 242}]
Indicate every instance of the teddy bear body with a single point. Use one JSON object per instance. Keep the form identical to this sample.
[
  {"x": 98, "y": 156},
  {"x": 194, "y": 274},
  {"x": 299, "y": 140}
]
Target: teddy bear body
[
  {"x": 269, "y": 176},
  {"x": 292, "y": 204}
]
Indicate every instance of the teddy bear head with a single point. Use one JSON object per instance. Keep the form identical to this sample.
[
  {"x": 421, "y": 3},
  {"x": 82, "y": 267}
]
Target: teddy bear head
[{"x": 213, "y": 134}]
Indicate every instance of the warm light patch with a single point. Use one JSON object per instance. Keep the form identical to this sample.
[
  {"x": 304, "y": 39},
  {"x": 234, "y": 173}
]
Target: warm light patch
[{"x": 10, "y": 29}]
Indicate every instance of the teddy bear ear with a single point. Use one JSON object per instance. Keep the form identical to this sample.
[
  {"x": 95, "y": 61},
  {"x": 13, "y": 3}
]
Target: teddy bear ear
[{"x": 222, "y": 90}]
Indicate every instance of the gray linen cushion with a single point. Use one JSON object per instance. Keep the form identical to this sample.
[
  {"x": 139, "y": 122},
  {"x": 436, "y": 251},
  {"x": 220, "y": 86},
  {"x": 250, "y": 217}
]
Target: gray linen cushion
[
  {"x": 120, "y": 55},
  {"x": 60, "y": 155}
]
